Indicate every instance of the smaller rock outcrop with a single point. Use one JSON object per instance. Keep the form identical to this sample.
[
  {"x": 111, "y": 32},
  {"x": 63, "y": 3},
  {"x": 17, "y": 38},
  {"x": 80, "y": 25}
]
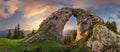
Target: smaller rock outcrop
[
  {"x": 103, "y": 40},
  {"x": 85, "y": 19}
]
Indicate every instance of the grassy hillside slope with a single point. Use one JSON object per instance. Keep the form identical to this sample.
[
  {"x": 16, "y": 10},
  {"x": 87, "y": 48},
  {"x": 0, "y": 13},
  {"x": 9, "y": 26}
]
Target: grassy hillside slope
[{"x": 11, "y": 45}]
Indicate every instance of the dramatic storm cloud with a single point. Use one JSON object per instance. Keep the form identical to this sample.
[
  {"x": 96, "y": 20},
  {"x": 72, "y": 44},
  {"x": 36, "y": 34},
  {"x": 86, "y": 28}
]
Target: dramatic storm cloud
[
  {"x": 34, "y": 7},
  {"x": 33, "y": 11}
]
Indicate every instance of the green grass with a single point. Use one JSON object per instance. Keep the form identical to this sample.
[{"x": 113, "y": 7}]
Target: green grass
[
  {"x": 48, "y": 45},
  {"x": 9, "y": 44},
  {"x": 12, "y": 45}
]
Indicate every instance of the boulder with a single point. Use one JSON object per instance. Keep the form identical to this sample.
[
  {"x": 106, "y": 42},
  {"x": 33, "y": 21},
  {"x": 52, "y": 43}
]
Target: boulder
[{"x": 103, "y": 40}]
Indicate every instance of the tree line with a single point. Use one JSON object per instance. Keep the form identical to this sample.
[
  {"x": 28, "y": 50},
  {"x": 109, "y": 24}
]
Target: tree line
[
  {"x": 112, "y": 26},
  {"x": 17, "y": 34}
]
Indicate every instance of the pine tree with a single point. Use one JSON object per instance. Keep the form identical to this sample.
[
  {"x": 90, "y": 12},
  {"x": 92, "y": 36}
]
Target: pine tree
[
  {"x": 18, "y": 31},
  {"x": 32, "y": 33},
  {"x": 112, "y": 26},
  {"x": 73, "y": 35},
  {"x": 21, "y": 34},
  {"x": 18, "y": 34},
  {"x": 15, "y": 36},
  {"x": 18, "y": 27},
  {"x": 9, "y": 34}
]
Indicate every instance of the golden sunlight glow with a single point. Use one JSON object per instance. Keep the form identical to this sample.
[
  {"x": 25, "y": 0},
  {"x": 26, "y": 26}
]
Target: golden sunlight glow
[
  {"x": 33, "y": 25},
  {"x": 29, "y": 12}
]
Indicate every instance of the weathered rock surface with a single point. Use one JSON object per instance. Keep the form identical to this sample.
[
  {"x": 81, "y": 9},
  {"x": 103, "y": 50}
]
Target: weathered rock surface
[
  {"x": 84, "y": 20},
  {"x": 57, "y": 19},
  {"x": 103, "y": 40},
  {"x": 41, "y": 34}
]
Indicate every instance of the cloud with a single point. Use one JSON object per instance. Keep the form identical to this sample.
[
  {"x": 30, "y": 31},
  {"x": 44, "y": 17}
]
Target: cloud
[
  {"x": 11, "y": 6},
  {"x": 118, "y": 16},
  {"x": 33, "y": 8},
  {"x": 95, "y": 3},
  {"x": 36, "y": 7},
  {"x": 39, "y": 7},
  {"x": 110, "y": 17},
  {"x": 27, "y": 27},
  {"x": 29, "y": 12},
  {"x": 33, "y": 24}
]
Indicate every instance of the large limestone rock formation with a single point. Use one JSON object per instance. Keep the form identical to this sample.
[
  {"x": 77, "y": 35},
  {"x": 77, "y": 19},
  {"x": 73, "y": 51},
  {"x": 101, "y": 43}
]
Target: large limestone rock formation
[
  {"x": 57, "y": 20},
  {"x": 103, "y": 40}
]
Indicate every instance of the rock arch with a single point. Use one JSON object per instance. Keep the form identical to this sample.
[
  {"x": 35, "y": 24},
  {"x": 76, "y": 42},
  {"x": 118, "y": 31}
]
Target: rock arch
[{"x": 84, "y": 19}]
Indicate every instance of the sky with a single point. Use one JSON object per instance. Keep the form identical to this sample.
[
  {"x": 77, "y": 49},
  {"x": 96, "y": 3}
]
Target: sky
[{"x": 30, "y": 13}]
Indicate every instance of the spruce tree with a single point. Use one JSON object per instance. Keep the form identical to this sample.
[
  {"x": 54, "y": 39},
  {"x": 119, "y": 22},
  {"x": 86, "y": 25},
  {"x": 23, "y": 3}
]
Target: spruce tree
[
  {"x": 18, "y": 31},
  {"x": 112, "y": 26},
  {"x": 9, "y": 34},
  {"x": 21, "y": 34},
  {"x": 32, "y": 33},
  {"x": 18, "y": 27},
  {"x": 15, "y": 36},
  {"x": 18, "y": 34}
]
